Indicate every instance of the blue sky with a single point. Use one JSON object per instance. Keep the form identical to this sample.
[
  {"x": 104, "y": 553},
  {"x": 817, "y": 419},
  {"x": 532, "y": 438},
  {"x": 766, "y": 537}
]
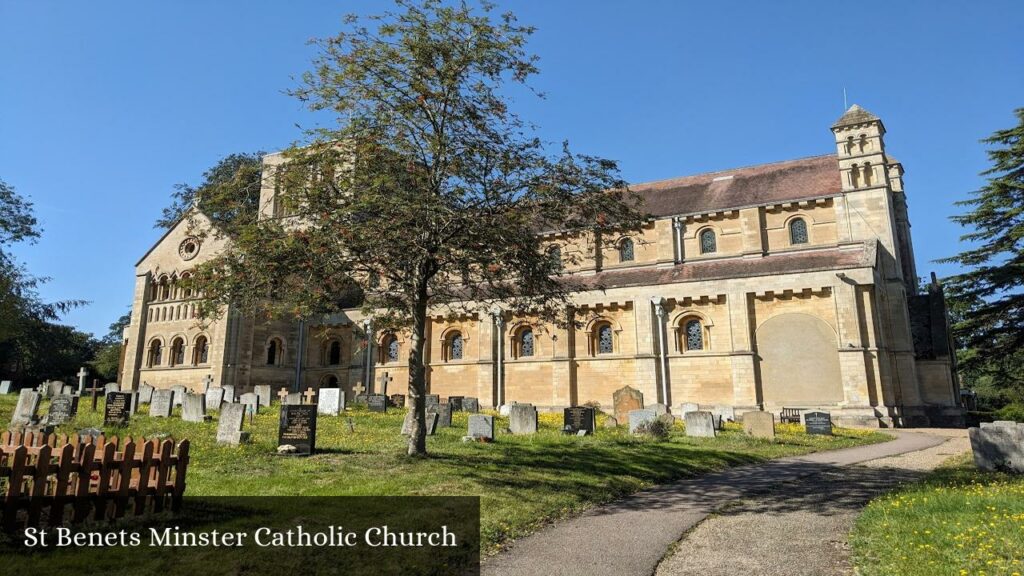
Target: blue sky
[{"x": 104, "y": 106}]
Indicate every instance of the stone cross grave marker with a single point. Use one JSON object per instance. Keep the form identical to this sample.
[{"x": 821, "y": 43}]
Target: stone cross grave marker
[
  {"x": 818, "y": 423},
  {"x": 214, "y": 398},
  {"x": 456, "y": 403},
  {"x": 297, "y": 428},
  {"x": 384, "y": 380},
  {"x": 94, "y": 392},
  {"x": 263, "y": 393},
  {"x": 161, "y": 403},
  {"x": 638, "y": 418},
  {"x": 579, "y": 419},
  {"x": 471, "y": 405},
  {"x": 229, "y": 393},
  {"x": 25, "y": 411},
  {"x": 193, "y": 408},
  {"x": 145, "y": 393},
  {"x": 82, "y": 375},
  {"x": 624, "y": 401},
  {"x": 329, "y": 402},
  {"x": 444, "y": 415},
  {"x": 118, "y": 409},
  {"x": 759, "y": 424},
  {"x": 5, "y": 387},
  {"x": 523, "y": 419},
  {"x": 377, "y": 403},
  {"x": 229, "y": 427},
  {"x": 700, "y": 424},
  {"x": 360, "y": 393},
  {"x": 282, "y": 395},
  {"x": 207, "y": 382},
  {"x": 178, "y": 395},
  {"x": 481, "y": 426},
  {"x": 307, "y": 398}
]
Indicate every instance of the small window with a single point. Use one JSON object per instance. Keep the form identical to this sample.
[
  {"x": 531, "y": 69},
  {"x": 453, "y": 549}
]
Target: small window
[
  {"x": 334, "y": 353},
  {"x": 177, "y": 352},
  {"x": 393, "y": 350},
  {"x": 798, "y": 231},
  {"x": 389, "y": 348},
  {"x": 202, "y": 351},
  {"x": 707, "y": 242},
  {"x": 604, "y": 339},
  {"x": 626, "y": 250},
  {"x": 155, "y": 353},
  {"x": 526, "y": 343},
  {"x": 694, "y": 335},
  {"x": 274, "y": 351},
  {"x": 455, "y": 346}
]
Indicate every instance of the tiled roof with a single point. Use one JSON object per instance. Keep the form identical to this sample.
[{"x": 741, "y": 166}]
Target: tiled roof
[
  {"x": 750, "y": 186},
  {"x": 855, "y": 115}
]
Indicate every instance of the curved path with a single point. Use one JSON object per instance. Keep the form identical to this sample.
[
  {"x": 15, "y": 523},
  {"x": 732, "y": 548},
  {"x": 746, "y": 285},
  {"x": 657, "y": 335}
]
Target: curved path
[{"x": 631, "y": 536}]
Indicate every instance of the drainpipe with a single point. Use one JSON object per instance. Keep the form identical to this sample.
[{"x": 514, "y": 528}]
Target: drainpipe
[
  {"x": 499, "y": 323},
  {"x": 659, "y": 312},
  {"x": 677, "y": 227},
  {"x": 367, "y": 376}
]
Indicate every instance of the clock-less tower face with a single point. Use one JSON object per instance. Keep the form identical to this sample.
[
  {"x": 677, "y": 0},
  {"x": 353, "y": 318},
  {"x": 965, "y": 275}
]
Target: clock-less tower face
[{"x": 189, "y": 248}]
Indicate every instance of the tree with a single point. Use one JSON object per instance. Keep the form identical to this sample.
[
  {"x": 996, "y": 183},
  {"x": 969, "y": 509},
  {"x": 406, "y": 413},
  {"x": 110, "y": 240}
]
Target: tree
[
  {"x": 229, "y": 193},
  {"x": 430, "y": 193},
  {"x": 107, "y": 360},
  {"x": 991, "y": 325}
]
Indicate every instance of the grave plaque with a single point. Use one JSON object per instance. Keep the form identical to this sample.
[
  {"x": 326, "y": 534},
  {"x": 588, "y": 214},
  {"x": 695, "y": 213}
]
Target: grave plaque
[
  {"x": 700, "y": 424},
  {"x": 398, "y": 400},
  {"x": 251, "y": 402},
  {"x": 25, "y": 411},
  {"x": 214, "y": 398},
  {"x": 229, "y": 393},
  {"x": 118, "y": 409},
  {"x": 471, "y": 405},
  {"x": 818, "y": 423},
  {"x": 145, "y": 394},
  {"x": 456, "y": 403},
  {"x": 330, "y": 401},
  {"x": 431, "y": 400},
  {"x": 5, "y": 387},
  {"x": 193, "y": 408},
  {"x": 481, "y": 426},
  {"x": 160, "y": 404},
  {"x": 377, "y": 403},
  {"x": 63, "y": 407},
  {"x": 624, "y": 401},
  {"x": 522, "y": 419},
  {"x": 579, "y": 419},
  {"x": 298, "y": 428},
  {"x": 263, "y": 392},
  {"x": 638, "y": 418},
  {"x": 444, "y": 415},
  {"x": 229, "y": 427},
  {"x": 178, "y": 394},
  {"x": 759, "y": 424}
]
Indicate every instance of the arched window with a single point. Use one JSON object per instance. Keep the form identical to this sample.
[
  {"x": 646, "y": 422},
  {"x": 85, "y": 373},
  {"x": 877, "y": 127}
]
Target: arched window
[
  {"x": 855, "y": 176},
  {"x": 177, "y": 352},
  {"x": 187, "y": 288},
  {"x": 798, "y": 231},
  {"x": 626, "y": 250},
  {"x": 707, "y": 242},
  {"x": 693, "y": 334},
  {"x": 334, "y": 353},
  {"x": 555, "y": 255},
  {"x": 454, "y": 347},
  {"x": 867, "y": 173},
  {"x": 201, "y": 353},
  {"x": 604, "y": 338},
  {"x": 525, "y": 342},
  {"x": 849, "y": 145},
  {"x": 155, "y": 353},
  {"x": 393, "y": 350},
  {"x": 329, "y": 381},
  {"x": 863, "y": 143},
  {"x": 165, "y": 288},
  {"x": 274, "y": 352},
  {"x": 389, "y": 348}
]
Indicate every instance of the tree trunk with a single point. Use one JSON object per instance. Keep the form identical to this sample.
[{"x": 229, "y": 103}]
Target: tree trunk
[{"x": 417, "y": 376}]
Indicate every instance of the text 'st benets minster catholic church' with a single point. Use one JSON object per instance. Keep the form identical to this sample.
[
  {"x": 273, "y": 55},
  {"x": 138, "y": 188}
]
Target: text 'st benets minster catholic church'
[{"x": 789, "y": 284}]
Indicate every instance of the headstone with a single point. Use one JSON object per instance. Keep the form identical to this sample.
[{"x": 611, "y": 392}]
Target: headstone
[
  {"x": 481, "y": 426},
  {"x": 133, "y": 401},
  {"x": 725, "y": 412},
  {"x": 456, "y": 403},
  {"x": 229, "y": 393},
  {"x": 145, "y": 393},
  {"x": 308, "y": 395},
  {"x": 54, "y": 388},
  {"x": 624, "y": 401},
  {"x": 251, "y": 401},
  {"x": 5, "y": 387},
  {"x": 25, "y": 411},
  {"x": 178, "y": 392},
  {"x": 111, "y": 387},
  {"x": 688, "y": 407},
  {"x": 214, "y": 398},
  {"x": 67, "y": 389},
  {"x": 431, "y": 400},
  {"x": 471, "y": 405},
  {"x": 359, "y": 399},
  {"x": 161, "y": 403},
  {"x": 759, "y": 424},
  {"x": 207, "y": 382},
  {"x": 522, "y": 419},
  {"x": 579, "y": 419},
  {"x": 700, "y": 424},
  {"x": 444, "y": 415},
  {"x": 505, "y": 410},
  {"x": 998, "y": 447},
  {"x": 293, "y": 399},
  {"x": 90, "y": 432},
  {"x": 377, "y": 403},
  {"x": 660, "y": 409},
  {"x": 431, "y": 423},
  {"x": 263, "y": 392},
  {"x": 818, "y": 423},
  {"x": 118, "y": 409},
  {"x": 330, "y": 401},
  {"x": 384, "y": 380},
  {"x": 611, "y": 422},
  {"x": 398, "y": 400},
  {"x": 229, "y": 427},
  {"x": 638, "y": 418},
  {"x": 298, "y": 428},
  {"x": 63, "y": 408},
  {"x": 193, "y": 408},
  {"x": 668, "y": 419}
]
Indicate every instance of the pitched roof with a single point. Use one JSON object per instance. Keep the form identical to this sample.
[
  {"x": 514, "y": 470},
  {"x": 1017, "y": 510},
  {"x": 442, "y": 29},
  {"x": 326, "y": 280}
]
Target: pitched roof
[
  {"x": 786, "y": 181},
  {"x": 855, "y": 115}
]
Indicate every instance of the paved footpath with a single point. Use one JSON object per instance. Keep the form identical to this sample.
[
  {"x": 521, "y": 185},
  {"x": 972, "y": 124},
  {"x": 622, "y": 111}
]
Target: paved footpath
[{"x": 631, "y": 536}]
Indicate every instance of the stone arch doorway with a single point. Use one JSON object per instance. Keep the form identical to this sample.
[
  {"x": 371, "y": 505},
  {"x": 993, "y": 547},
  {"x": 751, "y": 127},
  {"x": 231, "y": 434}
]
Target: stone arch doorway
[{"x": 799, "y": 361}]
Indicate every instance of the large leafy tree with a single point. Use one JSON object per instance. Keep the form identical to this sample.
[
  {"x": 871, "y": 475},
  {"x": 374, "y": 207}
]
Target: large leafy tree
[
  {"x": 989, "y": 291},
  {"x": 229, "y": 193},
  {"x": 108, "y": 350},
  {"x": 429, "y": 193}
]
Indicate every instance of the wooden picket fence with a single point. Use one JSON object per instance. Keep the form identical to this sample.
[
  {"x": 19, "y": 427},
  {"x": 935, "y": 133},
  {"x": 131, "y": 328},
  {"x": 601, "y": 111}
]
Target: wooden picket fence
[{"x": 87, "y": 478}]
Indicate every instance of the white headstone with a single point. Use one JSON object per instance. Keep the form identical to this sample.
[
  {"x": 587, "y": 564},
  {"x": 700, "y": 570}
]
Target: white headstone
[{"x": 330, "y": 401}]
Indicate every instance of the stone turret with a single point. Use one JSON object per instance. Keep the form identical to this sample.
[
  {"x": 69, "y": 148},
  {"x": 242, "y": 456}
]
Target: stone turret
[{"x": 861, "y": 148}]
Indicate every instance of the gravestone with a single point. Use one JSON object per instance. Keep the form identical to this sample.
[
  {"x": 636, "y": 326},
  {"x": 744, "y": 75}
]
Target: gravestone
[
  {"x": 229, "y": 393},
  {"x": 624, "y": 401},
  {"x": 444, "y": 415},
  {"x": 54, "y": 388},
  {"x": 579, "y": 418},
  {"x": 214, "y": 398},
  {"x": 505, "y": 410},
  {"x": 90, "y": 432},
  {"x": 133, "y": 402},
  {"x": 359, "y": 399},
  {"x": 431, "y": 400},
  {"x": 611, "y": 422},
  {"x": 522, "y": 419},
  {"x": 759, "y": 424},
  {"x": 700, "y": 424},
  {"x": 118, "y": 409},
  {"x": 430, "y": 423},
  {"x": 668, "y": 419},
  {"x": 251, "y": 402},
  {"x": 293, "y": 399},
  {"x": 63, "y": 408},
  {"x": 207, "y": 382},
  {"x": 456, "y": 403},
  {"x": 998, "y": 447},
  {"x": 660, "y": 409},
  {"x": 818, "y": 423},
  {"x": 688, "y": 407},
  {"x": 263, "y": 392},
  {"x": 193, "y": 408},
  {"x": 398, "y": 400},
  {"x": 111, "y": 387},
  {"x": 481, "y": 426},
  {"x": 724, "y": 412},
  {"x": 178, "y": 394},
  {"x": 330, "y": 401},
  {"x": 68, "y": 389},
  {"x": 25, "y": 411},
  {"x": 471, "y": 405},
  {"x": 229, "y": 427},
  {"x": 638, "y": 418},
  {"x": 5, "y": 387},
  {"x": 145, "y": 393},
  {"x": 377, "y": 403},
  {"x": 161, "y": 403},
  {"x": 298, "y": 428}
]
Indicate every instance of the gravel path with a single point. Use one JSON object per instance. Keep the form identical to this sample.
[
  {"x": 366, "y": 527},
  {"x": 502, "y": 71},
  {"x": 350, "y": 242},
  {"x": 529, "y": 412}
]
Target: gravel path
[{"x": 800, "y": 527}]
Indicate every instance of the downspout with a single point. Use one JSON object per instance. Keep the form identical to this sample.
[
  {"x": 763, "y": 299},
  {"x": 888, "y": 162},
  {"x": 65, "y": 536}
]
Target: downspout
[
  {"x": 659, "y": 312},
  {"x": 368, "y": 328},
  {"x": 499, "y": 323},
  {"x": 677, "y": 228}
]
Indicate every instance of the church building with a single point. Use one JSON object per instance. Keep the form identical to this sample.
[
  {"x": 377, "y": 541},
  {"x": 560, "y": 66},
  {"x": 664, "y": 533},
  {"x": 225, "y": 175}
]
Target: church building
[{"x": 790, "y": 284}]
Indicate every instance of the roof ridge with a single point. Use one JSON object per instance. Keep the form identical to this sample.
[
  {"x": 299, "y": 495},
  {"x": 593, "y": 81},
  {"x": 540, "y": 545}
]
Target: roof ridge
[{"x": 734, "y": 169}]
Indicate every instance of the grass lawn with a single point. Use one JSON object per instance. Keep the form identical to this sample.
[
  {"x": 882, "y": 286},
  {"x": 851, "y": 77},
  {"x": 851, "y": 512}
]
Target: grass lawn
[
  {"x": 958, "y": 520},
  {"x": 523, "y": 481}
]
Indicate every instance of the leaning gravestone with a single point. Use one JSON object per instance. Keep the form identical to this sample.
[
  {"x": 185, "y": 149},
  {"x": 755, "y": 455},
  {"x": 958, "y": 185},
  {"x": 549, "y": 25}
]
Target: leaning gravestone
[
  {"x": 229, "y": 427},
  {"x": 431, "y": 400},
  {"x": 63, "y": 408},
  {"x": 444, "y": 415},
  {"x": 160, "y": 405},
  {"x": 579, "y": 418},
  {"x": 624, "y": 401},
  {"x": 759, "y": 424},
  {"x": 481, "y": 426},
  {"x": 297, "y": 428},
  {"x": 818, "y": 423},
  {"x": 251, "y": 401},
  {"x": 5, "y": 387},
  {"x": 193, "y": 408},
  {"x": 118, "y": 409},
  {"x": 229, "y": 393},
  {"x": 638, "y": 418},
  {"x": 688, "y": 407},
  {"x": 471, "y": 405},
  {"x": 25, "y": 411},
  {"x": 178, "y": 392},
  {"x": 263, "y": 391},
  {"x": 145, "y": 393},
  {"x": 522, "y": 419},
  {"x": 330, "y": 401},
  {"x": 214, "y": 398},
  {"x": 430, "y": 424},
  {"x": 377, "y": 403},
  {"x": 998, "y": 447},
  {"x": 456, "y": 403},
  {"x": 700, "y": 424}
]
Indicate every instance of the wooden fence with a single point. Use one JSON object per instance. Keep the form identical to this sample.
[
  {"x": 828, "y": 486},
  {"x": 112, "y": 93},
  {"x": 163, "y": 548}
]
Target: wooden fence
[{"x": 87, "y": 478}]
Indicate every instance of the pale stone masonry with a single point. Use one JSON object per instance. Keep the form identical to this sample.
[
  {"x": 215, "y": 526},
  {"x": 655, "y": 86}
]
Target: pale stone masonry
[{"x": 789, "y": 284}]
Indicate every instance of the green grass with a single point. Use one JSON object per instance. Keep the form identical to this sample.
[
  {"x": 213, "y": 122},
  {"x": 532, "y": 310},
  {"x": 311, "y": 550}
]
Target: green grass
[
  {"x": 523, "y": 481},
  {"x": 958, "y": 521}
]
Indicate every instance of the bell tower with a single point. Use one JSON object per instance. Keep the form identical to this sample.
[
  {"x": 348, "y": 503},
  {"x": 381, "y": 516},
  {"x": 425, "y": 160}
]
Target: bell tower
[{"x": 861, "y": 149}]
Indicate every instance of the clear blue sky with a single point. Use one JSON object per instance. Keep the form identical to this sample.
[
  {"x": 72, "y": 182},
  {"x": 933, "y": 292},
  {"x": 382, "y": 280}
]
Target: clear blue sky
[{"x": 104, "y": 106}]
